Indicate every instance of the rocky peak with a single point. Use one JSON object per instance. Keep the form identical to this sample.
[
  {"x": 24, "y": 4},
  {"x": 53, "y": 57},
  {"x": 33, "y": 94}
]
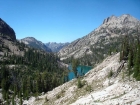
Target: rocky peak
[
  {"x": 123, "y": 19},
  {"x": 55, "y": 47},
  {"x": 112, "y": 18},
  {"x": 112, "y": 27},
  {"x": 6, "y": 31},
  {"x": 126, "y": 16}
]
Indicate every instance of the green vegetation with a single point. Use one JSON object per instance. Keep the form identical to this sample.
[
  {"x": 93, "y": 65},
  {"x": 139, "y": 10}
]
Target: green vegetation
[
  {"x": 110, "y": 74},
  {"x": 130, "y": 51},
  {"x": 128, "y": 46},
  {"x": 75, "y": 63},
  {"x": 29, "y": 75},
  {"x": 88, "y": 88},
  {"x": 80, "y": 83}
]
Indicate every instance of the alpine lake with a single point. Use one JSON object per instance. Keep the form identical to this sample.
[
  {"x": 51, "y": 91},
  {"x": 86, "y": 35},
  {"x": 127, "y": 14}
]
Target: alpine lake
[{"x": 81, "y": 71}]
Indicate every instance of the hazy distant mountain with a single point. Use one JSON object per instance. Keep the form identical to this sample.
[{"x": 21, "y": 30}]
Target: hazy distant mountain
[
  {"x": 105, "y": 35},
  {"x": 6, "y": 31},
  {"x": 32, "y": 42},
  {"x": 55, "y": 47}
]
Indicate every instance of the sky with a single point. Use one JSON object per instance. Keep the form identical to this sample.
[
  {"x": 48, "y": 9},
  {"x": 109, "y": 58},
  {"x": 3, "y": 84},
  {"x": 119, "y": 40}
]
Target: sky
[{"x": 62, "y": 20}]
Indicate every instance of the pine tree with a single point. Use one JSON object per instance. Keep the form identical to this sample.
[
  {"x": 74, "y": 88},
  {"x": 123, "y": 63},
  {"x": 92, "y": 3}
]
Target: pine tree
[
  {"x": 5, "y": 87},
  {"x": 74, "y": 66},
  {"x": 125, "y": 48},
  {"x": 7, "y": 98},
  {"x": 38, "y": 84},
  {"x": 130, "y": 62},
  {"x": 21, "y": 101},
  {"x": 13, "y": 101},
  {"x": 137, "y": 64},
  {"x": 24, "y": 88}
]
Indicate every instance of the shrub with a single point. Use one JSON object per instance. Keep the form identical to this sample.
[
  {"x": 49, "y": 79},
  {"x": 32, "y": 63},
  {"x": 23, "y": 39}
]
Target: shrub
[
  {"x": 80, "y": 83},
  {"x": 138, "y": 78},
  {"x": 58, "y": 96},
  {"x": 88, "y": 88},
  {"x": 110, "y": 74}
]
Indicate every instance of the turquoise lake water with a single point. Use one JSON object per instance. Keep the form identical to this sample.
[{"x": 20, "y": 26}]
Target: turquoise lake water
[{"x": 81, "y": 70}]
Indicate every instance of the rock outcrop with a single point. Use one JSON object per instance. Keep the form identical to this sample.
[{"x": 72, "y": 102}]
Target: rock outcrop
[{"x": 6, "y": 31}]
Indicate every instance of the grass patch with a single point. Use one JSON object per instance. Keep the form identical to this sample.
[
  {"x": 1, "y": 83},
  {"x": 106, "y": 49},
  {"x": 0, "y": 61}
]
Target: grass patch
[
  {"x": 88, "y": 88},
  {"x": 61, "y": 94}
]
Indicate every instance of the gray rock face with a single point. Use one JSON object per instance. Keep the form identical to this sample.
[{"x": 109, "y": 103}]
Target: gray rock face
[
  {"x": 55, "y": 47},
  {"x": 32, "y": 42},
  {"x": 6, "y": 31},
  {"x": 112, "y": 27}
]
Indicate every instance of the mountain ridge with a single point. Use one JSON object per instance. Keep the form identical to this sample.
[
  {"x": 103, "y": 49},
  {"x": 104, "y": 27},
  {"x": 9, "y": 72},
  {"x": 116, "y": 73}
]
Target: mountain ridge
[
  {"x": 32, "y": 42},
  {"x": 49, "y": 47},
  {"x": 112, "y": 27},
  {"x": 55, "y": 47}
]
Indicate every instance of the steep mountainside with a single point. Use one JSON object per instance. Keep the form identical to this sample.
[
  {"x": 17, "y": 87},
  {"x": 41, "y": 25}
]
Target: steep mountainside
[
  {"x": 32, "y": 42},
  {"x": 99, "y": 86},
  {"x": 105, "y": 35},
  {"x": 55, "y": 47},
  {"x": 8, "y": 43},
  {"x": 6, "y": 31}
]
